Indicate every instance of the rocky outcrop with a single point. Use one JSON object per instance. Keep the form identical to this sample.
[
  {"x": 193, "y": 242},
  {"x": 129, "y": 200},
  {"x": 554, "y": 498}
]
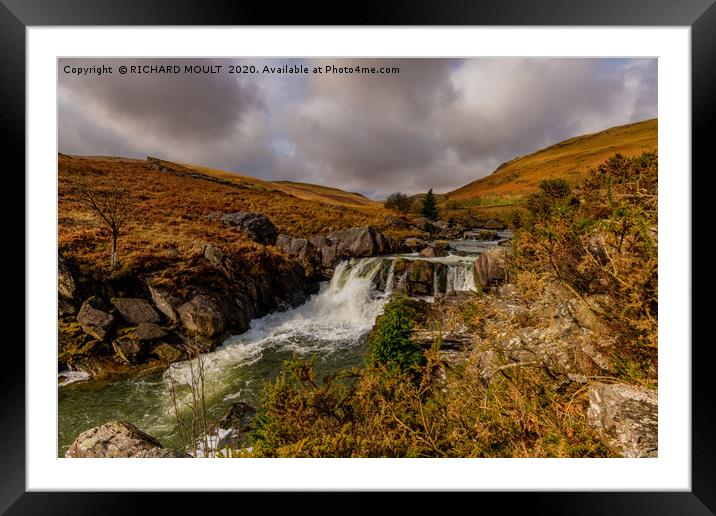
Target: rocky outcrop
[
  {"x": 202, "y": 316},
  {"x": 414, "y": 245},
  {"x": 135, "y": 310},
  {"x": 118, "y": 439},
  {"x": 490, "y": 267},
  {"x": 419, "y": 277},
  {"x": 625, "y": 417},
  {"x": 302, "y": 251},
  {"x": 495, "y": 224},
  {"x": 66, "y": 288},
  {"x": 94, "y": 320},
  {"x": 438, "y": 248},
  {"x": 326, "y": 252},
  {"x": 482, "y": 234},
  {"x": 256, "y": 226}
]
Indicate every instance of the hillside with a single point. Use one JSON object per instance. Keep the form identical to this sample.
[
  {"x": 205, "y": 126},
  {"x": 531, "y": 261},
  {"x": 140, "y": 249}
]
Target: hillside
[
  {"x": 570, "y": 159},
  {"x": 305, "y": 191},
  {"x": 170, "y": 211}
]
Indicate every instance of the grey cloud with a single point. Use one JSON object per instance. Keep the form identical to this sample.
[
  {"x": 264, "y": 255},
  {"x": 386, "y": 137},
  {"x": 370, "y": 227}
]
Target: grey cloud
[{"x": 438, "y": 123}]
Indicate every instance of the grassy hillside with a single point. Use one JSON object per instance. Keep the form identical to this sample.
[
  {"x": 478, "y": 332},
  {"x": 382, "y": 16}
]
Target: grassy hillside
[
  {"x": 305, "y": 191},
  {"x": 169, "y": 213},
  {"x": 570, "y": 159}
]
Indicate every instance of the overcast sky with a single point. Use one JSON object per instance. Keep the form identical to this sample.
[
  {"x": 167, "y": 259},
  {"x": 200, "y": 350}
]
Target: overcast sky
[{"x": 439, "y": 123}]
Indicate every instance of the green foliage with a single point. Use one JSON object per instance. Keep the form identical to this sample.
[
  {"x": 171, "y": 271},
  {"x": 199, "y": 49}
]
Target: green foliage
[
  {"x": 429, "y": 207},
  {"x": 398, "y": 201},
  {"x": 555, "y": 189},
  {"x": 390, "y": 343}
]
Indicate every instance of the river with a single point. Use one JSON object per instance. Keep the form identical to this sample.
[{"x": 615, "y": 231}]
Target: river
[{"x": 331, "y": 328}]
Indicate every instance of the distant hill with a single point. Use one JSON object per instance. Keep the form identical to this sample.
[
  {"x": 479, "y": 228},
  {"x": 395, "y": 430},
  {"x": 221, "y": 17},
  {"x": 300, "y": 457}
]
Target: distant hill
[
  {"x": 570, "y": 159},
  {"x": 306, "y": 191}
]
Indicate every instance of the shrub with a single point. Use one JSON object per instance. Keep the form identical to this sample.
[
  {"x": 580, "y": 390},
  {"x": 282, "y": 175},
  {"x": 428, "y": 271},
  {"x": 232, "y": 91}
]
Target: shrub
[
  {"x": 398, "y": 201},
  {"x": 390, "y": 343},
  {"x": 600, "y": 239}
]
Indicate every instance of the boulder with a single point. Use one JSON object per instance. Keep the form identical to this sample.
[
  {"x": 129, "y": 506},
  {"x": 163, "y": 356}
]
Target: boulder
[
  {"x": 165, "y": 301},
  {"x": 202, "y": 316},
  {"x": 302, "y": 250},
  {"x": 395, "y": 222},
  {"x": 359, "y": 242},
  {"x": 625, "y": 417},
  {"x": 94, "y": 320},
  {"x": 150, "y": 331},
  {"x": 414, "y": 245},
  {"x": 495, "y": 224},
  {"x": 135, "y": 310},
  {"x": 417, "y": 277},
  {"x": 118, "y": 439},
  {"x": 483, "y": 234},
  {"x": 127, "y": 349},
  {"x": 256, "y": 226},
  {"x": 66, "y": 284},
  {"x": 433, "y": 251},
  {"x": 168, "y": 353},
  {"x": 490, "y": 267}
]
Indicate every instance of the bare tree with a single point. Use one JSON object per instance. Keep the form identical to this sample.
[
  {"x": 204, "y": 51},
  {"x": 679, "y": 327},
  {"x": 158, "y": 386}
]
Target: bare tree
[{"x": 112, "y": 205}]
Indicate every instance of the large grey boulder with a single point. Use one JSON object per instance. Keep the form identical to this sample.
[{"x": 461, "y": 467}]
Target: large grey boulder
[
  {"x": 95, "y": 321},
  {"x": 135, "y": 310},
  {"x": 118, "y": 439},
  {"x": 302, "y": 250},
  {"x": 490, "y": 267},
  {"x": 626, "y": 418},
  {"x": 202, "y": 316},
  {"x": 165, "y": 301},
  {"x": 359, "y": 242},
  {"x": 150, "y": 331},
  {"x": 257, "y": 226}
]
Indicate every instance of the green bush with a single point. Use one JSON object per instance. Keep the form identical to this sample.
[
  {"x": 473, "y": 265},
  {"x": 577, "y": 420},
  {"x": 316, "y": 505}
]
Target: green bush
[{"x": 389, "y": 342}]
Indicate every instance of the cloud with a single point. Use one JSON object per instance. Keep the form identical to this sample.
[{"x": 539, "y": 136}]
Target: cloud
[{"x": 439, "y": 123}]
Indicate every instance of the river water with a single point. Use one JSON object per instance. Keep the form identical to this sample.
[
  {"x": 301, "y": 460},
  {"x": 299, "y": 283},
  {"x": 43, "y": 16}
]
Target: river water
[{"x": 331, "y": 328}]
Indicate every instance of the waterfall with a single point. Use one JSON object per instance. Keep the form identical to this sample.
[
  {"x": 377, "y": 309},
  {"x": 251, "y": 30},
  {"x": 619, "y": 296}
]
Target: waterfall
[
  {"x": 460, "y": 278},
  {"x": 342, "y": 312},
  {"x": 389, "y": 280}
]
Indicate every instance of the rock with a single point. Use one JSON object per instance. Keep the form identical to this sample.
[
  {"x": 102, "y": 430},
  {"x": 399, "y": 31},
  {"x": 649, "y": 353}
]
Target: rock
[
  {"x": 414, "y": 245},
  {"x": 495, "y": 224},
  {"x": 625, "y": 417},
  {"x": 302, "y": 250},
  {"x": 66, "y": 284},
  {"x": 168, "y": 353},
  {"x": 127, "y": 349},
  {"x": 483, "y": 234},
  {"x": 432, "y": 252},
  {"x": 150, "y": 331},
  {"x": 427, "y": 225},
  {"x": 394, "y": 222},
  {"x": 165, "y": 301},
  {"x": 118, "y": 439},
  {"x": 135, "y": 310},
  {"x": 490, "y": 267},
  {"x": 359, "y": 242},
  {"x": 257, "y": 226},
  {"x": 95, "y": 321},
  {"x": 240, "y": 416},
  {"x": 202, "y": 316},
  {"x": 417, "y": 277}
]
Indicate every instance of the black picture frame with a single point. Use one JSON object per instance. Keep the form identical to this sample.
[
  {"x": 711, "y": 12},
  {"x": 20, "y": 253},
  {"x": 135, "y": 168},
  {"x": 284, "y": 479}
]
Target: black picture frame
[{"x": 700, "y": 15}]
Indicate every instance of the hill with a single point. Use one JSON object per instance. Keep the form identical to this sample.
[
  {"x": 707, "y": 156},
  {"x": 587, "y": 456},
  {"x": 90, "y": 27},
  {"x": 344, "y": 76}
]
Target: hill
[
  {"x": 170, "y": 210},
  {"x": 305, "y": 191},
  {"x": 570, "y": 159}
]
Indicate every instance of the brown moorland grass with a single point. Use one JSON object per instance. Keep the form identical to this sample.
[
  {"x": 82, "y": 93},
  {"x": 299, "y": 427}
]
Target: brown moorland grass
[
  {"x": 168, "y": 220},
  {"x": 571, "y": 159}
]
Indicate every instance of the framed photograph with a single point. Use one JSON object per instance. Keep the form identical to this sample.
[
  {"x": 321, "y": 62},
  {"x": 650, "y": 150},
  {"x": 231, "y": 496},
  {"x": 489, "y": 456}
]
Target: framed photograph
[{"x": 443, "y": 250}]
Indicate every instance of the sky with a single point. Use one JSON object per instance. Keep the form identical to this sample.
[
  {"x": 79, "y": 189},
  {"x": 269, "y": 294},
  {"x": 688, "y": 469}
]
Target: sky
[{"x": 438, "y": 123}]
